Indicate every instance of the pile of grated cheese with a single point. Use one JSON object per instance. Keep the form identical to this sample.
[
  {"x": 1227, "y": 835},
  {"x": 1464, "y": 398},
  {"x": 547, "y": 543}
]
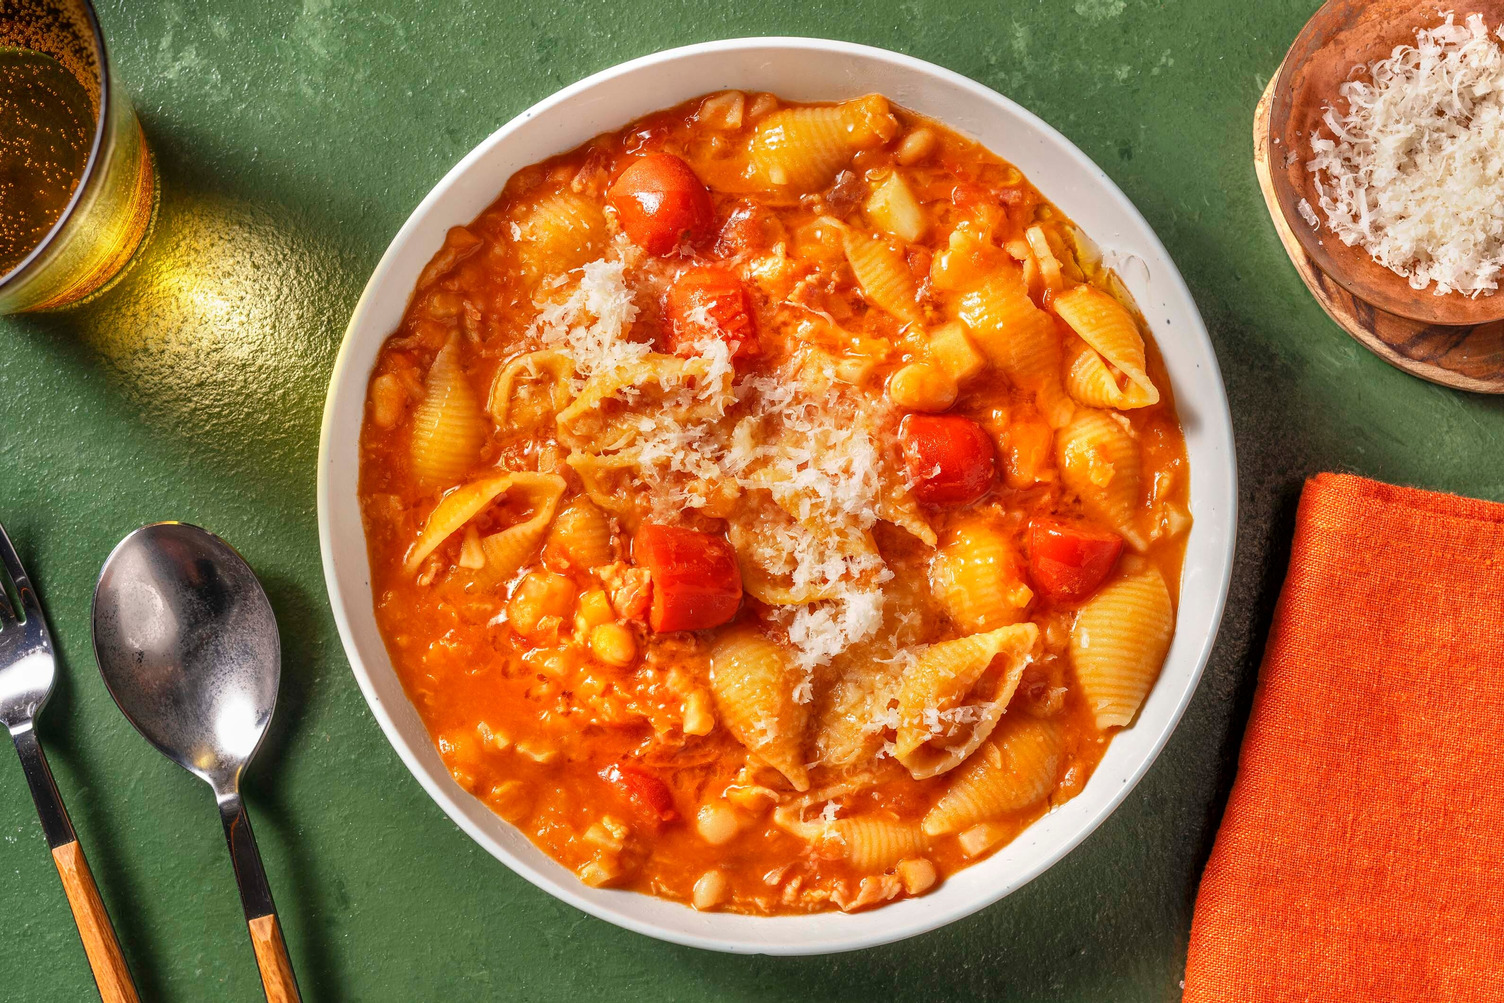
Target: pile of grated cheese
[
  {"x": 1415, "y": 174},
  {"x": 823, "y": 443}
]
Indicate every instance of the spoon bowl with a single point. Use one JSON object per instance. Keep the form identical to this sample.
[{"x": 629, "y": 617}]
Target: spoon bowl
[{"x": 188, "y": 647}]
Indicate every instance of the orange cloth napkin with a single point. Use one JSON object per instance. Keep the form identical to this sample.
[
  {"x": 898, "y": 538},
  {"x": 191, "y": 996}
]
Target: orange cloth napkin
[{"x": 1361, "y": 856}]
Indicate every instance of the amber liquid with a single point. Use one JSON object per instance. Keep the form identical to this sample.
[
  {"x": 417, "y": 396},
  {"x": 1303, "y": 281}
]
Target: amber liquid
[{"x": 46, "y": 129}]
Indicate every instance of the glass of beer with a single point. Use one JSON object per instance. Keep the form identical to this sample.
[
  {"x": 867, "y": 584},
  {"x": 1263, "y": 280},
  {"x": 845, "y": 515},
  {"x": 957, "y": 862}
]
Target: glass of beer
[{"x": 77, "y": 185}]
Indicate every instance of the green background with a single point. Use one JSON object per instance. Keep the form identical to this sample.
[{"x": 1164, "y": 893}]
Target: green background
[{"x": 293, "y": 140}]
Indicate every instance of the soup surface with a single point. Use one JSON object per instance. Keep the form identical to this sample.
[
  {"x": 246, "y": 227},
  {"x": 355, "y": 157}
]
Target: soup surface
[{"x": 773, "y": 507}]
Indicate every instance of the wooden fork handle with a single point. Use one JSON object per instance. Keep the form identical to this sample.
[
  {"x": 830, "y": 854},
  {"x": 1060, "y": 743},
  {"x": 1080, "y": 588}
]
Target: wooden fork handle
[{"x": 110, "y": 973}]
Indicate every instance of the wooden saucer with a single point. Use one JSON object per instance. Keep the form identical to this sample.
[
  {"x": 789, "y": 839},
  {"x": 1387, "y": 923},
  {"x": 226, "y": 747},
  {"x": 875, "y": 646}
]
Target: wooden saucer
[{"x": 1467, "y": 357}]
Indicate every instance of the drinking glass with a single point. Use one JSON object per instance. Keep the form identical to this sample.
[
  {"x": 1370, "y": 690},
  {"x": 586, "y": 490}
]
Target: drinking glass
[{"x": 78, "y": 189}]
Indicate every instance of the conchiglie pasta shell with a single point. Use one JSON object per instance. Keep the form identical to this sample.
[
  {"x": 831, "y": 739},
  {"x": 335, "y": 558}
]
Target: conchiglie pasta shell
[
  {"x": 897, "y": 505},
  {"x": 975, "y": 576},
  {"x": 1015, "y": 770},
  {"x": 803, "y": 148},
  {"x": 560, "y": 232},
  {"x": 508, "y": 550},
  {"x": 943, "y": 679},
  {"x": 1099, "y": 461},
  {"x": 884, "y": 276},
  {"x": 1113, "y": 338},
  {"x": 552, "y": 367},
  {"x": 582, "y": 532},
  {"x": 1118, "y": 644},
  {"x": 875, "y": 844},
  {"x": 464, "y": 503},
  {"x": 869, "y": 842},
  {"x": 448, "y": 428},
  {"x": 582, "y": 417},
  {"x": 753, "y": 685},
  {"x": 1090, "y": 381},
  {"x": 1018, "y": 338}
]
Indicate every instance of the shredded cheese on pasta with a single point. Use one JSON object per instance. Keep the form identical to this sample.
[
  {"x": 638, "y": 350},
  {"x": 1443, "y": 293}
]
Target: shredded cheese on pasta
[{"x": 804, "y": 438}]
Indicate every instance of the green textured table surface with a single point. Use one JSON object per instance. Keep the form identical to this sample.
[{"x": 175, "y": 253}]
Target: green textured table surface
[{"x": 293, "y": 139}]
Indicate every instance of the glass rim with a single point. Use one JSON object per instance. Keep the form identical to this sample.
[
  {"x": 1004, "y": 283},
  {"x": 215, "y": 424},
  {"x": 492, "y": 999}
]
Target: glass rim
[{"x": 90, "y": 163}]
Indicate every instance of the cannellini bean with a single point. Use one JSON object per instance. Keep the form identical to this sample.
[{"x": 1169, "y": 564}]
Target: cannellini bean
[
  {"x": 717, "y": 823},
  {"x": 709, "y": 890},
  {"x": 388, "y": 399},
  {"x": 915, "y": 146},
  {"x": 921, "y": 387}
]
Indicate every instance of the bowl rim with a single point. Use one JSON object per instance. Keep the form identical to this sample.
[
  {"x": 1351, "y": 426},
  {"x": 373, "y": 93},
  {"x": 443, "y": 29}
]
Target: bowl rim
[{"x": 864, "y": 931}]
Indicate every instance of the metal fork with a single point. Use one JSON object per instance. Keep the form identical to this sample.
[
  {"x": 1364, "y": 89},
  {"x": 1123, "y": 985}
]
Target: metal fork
[{"x": 27, "y": 669}]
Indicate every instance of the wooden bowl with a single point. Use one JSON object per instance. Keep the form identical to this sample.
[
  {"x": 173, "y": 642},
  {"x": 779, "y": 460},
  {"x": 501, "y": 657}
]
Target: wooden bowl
[{"x": 1342, "y": 35}]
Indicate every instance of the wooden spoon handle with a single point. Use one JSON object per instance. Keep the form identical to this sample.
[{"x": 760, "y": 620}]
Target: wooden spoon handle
[
  {"x": 271, "y": 957},
  {"x": 256, "y": 897},
  {"x": 103, "y": 950}
]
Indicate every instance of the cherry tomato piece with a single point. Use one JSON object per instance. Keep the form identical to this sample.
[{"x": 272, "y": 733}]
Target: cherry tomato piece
[
  {"x": 644, "y": 793},
  {"x": 951, "y": 460},
  {"x": 1069, "y": 561},
  {"x": 661, "y": 203},
  {"x": 710, "y": 302},
  {"x": 695, "y": 578}
]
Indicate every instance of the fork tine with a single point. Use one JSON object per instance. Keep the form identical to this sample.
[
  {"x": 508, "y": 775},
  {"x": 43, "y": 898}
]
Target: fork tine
[{"x": 22, "y": 584}]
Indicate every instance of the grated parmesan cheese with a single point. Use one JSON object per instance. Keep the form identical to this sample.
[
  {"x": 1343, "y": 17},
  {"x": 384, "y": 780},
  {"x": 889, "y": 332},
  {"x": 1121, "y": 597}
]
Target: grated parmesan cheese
[
  {"x": 592, "y": 322},
  {"x": 1415, "y": 174},
  {"x": 801, "y": 436}
]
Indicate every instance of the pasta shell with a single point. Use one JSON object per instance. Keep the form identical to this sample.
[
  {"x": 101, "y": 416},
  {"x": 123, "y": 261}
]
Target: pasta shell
[
  {"x": 870, "y": 843},
  {"x": 884, "y": 276},
  {"x": 582, "y": 532},
  {"x": 582, "y": 417},
  {"x": 464, "y": 503},
  {"x": 553, "y": 368},
  {"x": 937, "y": 729},
  {"x": 875, "y": 844},
  {"x": 803, "y": 148},
  {"x": 1114, "y": 340},
  {"x": 1016, "y": 769},
  {"x": 606, "y": 480},
  {"x": 1044, "y": 258},
  {"x": 508, "y": 550},
  {"x": 448, "y": 428},
  {"x": 753, "y": 685},
  {"x": 560, "y": 232},
  {"x": 975, "y": 576},
  {"x": 898, "y": 506},
  {"x": 1118, "y": 644},
  {"x": 1018, "y": 338},
  {"x": 1099, "y": 461}
]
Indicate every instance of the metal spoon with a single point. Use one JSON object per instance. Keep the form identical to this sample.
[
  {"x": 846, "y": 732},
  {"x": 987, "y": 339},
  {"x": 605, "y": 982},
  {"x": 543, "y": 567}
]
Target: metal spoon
[{"x": 188, "y": 647}]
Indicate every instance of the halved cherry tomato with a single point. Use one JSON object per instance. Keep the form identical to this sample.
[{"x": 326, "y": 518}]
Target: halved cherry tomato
[
  {"x": 660, "y": 203},
  {"x": 951, "y": 460},
  {"x": 1069, "y": 560},
  {"x": 644, "y": 793},
  {"x": 710, "y": 302},
  {"x": 696, "y": 581}
]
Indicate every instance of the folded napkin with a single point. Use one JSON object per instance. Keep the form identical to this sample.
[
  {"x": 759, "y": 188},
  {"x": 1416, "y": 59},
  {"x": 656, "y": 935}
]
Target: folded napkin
[{"x": 1361, "y": 856}]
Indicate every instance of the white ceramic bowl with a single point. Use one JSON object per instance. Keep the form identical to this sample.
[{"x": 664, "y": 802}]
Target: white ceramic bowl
[{"x": 809, "y": 70}]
